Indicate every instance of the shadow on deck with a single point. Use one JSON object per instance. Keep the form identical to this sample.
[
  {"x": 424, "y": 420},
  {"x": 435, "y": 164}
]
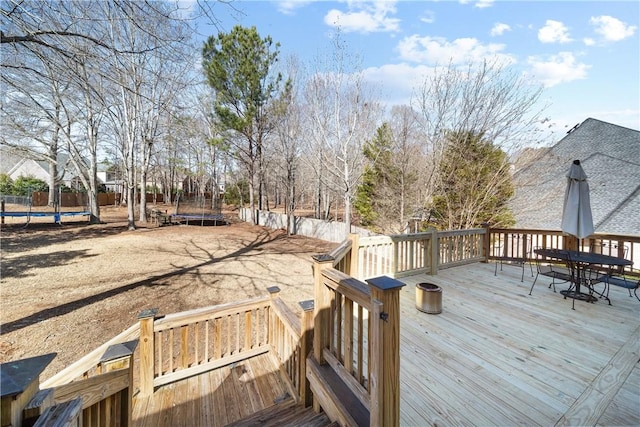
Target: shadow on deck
[{"x": 248, "y": 393}]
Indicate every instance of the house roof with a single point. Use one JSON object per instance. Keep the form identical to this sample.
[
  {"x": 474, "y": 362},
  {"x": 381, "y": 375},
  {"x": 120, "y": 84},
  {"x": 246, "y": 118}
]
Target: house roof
[{"x": 610, "y": 156}]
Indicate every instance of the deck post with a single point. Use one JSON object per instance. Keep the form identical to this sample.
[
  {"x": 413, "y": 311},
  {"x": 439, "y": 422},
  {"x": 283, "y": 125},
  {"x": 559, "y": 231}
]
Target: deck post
[
  {"x": 271, "y": 337},
  {"x": 486, "y": 241},
  {"x": 387, "y": 291},
  {"x": 321, "y": 312},
  {"x": 118, "y": 357},
  {"x": 355, "y": 245},
  {"x": 306, "y": 345},
  {"x": 434, "y": 244},
  {"x": 147, "y": 351}
]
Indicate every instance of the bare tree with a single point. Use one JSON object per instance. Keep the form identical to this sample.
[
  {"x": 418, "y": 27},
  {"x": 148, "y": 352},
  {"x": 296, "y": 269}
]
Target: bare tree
[
  {"x": 101, "y": 48},
  {"x": 487, "y": 100},
  {"x": 342, "y": 114},
  {"x": 290, "y": 133}
]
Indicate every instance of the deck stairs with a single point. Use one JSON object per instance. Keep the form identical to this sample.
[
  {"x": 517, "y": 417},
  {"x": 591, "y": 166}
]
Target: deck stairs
[{"x": 287, "y": 413}]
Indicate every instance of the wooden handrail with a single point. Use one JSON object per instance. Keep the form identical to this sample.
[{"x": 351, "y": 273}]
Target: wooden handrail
[
  {"x": 365, "y": 365},
  {"x": 87, "y": 363}
]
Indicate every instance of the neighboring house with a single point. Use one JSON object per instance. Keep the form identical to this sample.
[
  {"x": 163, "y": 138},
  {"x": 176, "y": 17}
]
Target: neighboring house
[
  {"x": 108, "y": 176},
  {"x": 610, "y": 156},
  {"x": 29, "y": 168},
  {"x": 16, "y": 166}
]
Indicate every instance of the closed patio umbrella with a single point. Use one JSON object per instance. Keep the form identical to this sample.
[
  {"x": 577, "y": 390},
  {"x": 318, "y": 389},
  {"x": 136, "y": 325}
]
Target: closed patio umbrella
[
  {"x": 576, "y": 211},
  {"x": 577, "y": 220}
]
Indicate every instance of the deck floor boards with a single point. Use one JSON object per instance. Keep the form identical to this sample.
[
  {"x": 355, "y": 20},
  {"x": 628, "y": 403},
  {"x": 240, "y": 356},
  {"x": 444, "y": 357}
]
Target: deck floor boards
[
  {"x": 215, "y": 398},
  {"x": 495, "y": 356}
]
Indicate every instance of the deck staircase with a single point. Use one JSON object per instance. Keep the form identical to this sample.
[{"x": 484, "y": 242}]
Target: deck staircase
[{"x": 287, "y": 413}]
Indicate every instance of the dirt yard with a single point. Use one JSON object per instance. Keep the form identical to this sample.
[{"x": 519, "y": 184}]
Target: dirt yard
[{"x": 69, "y": 288}]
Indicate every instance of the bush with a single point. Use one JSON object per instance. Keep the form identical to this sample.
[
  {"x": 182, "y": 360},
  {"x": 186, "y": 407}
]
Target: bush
[
  {"x": 25, "y": 185},
  {"x": 6, "y": 184}
]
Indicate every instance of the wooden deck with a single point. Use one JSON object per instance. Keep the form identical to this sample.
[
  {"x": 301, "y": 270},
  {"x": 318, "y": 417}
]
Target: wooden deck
[
  {"x": 495, "y": 356},
  {"x": 216, "y": 398}
]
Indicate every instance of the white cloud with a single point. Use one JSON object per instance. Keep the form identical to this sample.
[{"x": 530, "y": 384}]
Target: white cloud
[
  {"x": 554, "y": 32},
  {"x": 500, "y": 28},
  {"x": 428, "y": 16},
  {"x": 560, "y": 68},
  {"x": 365, "y": 17},
  {"x": 481, "y": 4},
  {"x": 288, "y": 7},
  {"x": 437, "y": 50},
  {"x": 612, "y": 29},
  {"x": 588, "y": 41}
]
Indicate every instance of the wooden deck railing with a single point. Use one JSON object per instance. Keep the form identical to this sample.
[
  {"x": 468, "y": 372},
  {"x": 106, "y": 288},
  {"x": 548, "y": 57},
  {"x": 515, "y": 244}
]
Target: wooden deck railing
[
  {"x": 518, "y": 244},
  {"x": 290, "y": 338},
  {"x": 183, "y": 344},
  {"x": 177, "y": 346},
  {"x": 407, "y": 254},
  {"x": 354, "y": 372},
  {"x": 189, "y": 343}
]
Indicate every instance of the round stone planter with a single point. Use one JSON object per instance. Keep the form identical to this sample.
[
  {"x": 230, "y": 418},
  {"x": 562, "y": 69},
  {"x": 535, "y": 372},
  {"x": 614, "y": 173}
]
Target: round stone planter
[{"x": 429, "y": 298}]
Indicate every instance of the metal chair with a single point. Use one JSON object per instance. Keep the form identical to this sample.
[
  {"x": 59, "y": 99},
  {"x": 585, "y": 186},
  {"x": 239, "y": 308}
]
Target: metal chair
[
  {"x": 549, "y": 269},
  {"x": 612, "y": 249},
  {"x": 617, "y": 280},
  {"x": 513, "y": 260},
  {"x": 609, "y": 248}
]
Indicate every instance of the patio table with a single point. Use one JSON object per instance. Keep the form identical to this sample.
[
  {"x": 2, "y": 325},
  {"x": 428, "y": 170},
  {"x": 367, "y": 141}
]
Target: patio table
[{"x": 578, "y": 262}]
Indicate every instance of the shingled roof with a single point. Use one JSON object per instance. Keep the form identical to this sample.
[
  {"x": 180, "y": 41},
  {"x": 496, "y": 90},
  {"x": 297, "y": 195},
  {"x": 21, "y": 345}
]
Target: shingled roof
[{"x": 610, "y": 156}]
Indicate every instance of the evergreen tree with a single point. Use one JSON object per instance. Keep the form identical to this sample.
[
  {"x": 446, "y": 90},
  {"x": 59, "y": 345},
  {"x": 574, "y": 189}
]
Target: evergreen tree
[
  {"x": 474, "y": 184},
  {"x": 238, "y": 66},
  {"x": 378, "y": 175}
]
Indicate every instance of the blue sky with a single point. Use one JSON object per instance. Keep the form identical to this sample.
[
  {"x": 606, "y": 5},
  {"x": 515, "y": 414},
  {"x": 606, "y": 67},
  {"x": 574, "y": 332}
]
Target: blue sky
[{"x": 586, "y": 54}]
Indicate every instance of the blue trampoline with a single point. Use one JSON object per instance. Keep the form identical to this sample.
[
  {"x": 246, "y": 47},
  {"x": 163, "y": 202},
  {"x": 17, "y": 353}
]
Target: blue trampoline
[{"x": 57, "y": 216}]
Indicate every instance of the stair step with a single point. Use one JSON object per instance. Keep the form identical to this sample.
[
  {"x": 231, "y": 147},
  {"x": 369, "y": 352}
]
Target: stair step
[{"x": 287, "y": 413}]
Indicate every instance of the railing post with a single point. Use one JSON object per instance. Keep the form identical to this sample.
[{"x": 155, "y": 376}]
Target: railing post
[
  {"x": 376, "y": 352},
  {"x": 355, "y": 245},
  {"x": 117, "y": 357},
  {"x": 322, "y": 307},
  {"x": 435, "y": 252},
  {"x": 486, "y": 241},
  {"x": 321, "y": 312},
  {"x": 147, "y": 351},
  {"x": 20, "y": 382},
  {"x": 306, "y": 345},
  {"x": 387, "y": 291},
  {"x": 273, "y": 294}
]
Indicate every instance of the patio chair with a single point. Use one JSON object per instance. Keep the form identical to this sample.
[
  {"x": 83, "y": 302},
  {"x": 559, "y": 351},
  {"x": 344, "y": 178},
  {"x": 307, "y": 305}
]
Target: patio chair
[
  {"x": 611, "y": 248},
  {"x": 557, "y": 272},
  {"x": 526, "y": 258},
  {"x": 617, "y": 280}
]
